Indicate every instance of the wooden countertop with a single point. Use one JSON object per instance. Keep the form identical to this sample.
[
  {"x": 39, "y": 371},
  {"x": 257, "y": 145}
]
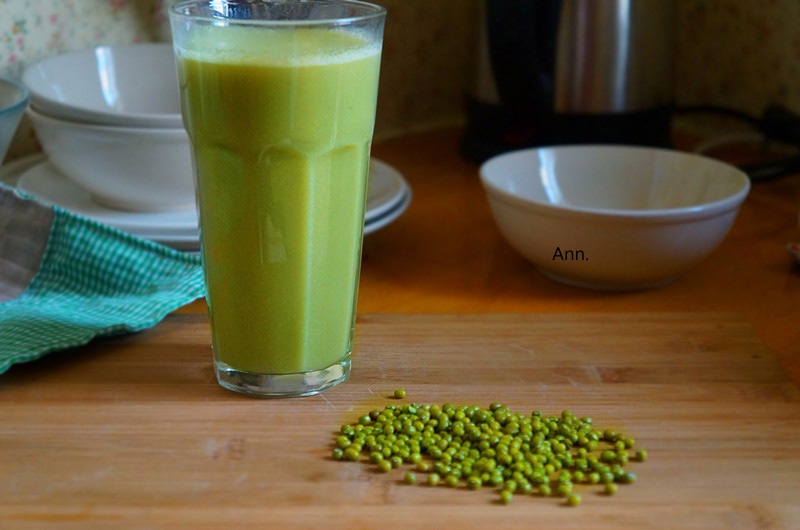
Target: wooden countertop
[
  {"x": 446, "y": 255},
  {"x": 134, "y": 432}
]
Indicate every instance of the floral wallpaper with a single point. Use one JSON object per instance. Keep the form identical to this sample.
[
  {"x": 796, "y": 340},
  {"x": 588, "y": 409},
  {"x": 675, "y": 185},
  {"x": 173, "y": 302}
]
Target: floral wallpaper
[{"x": 738, "y": 53}]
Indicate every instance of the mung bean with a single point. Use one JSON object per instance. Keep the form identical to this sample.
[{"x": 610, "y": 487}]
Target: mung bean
[{"x": 492, "y": 447}]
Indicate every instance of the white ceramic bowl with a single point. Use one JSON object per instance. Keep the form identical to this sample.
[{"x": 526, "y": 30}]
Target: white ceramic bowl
[
  {"x": 612, "y": 217},
  {"x": 13, "y": 100},
  {"x": 133, "y": 85},
  {"x": 137, "y": 169}
]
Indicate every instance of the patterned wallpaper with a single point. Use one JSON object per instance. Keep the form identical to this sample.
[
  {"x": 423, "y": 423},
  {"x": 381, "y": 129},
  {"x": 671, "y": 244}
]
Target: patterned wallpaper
[{"x": 737, "y": 53}]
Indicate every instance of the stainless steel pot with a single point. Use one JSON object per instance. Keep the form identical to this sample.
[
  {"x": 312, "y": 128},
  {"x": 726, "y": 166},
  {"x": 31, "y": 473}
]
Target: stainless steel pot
[{"x": 571, "y": 71}]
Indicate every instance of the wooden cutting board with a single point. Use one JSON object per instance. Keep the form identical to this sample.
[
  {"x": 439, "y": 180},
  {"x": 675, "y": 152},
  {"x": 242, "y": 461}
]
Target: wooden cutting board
[{"x": 135, "y": 433}]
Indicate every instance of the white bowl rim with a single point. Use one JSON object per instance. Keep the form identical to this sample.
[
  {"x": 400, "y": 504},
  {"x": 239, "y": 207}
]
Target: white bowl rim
[
  {"x": 100, "y": 117},
  {"x": 24, "y": 92},
  {"x": 678, "y": 214},
  {"x": 97, "y": 128}
]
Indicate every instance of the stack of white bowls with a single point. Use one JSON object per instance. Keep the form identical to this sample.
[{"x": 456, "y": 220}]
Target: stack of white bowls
[{"x": 109, "y": 119}]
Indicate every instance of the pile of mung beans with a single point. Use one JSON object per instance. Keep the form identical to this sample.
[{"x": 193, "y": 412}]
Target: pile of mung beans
[{"x": 475, "y": 447}]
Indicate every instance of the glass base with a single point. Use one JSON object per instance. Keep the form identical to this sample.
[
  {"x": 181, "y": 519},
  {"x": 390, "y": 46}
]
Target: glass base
[{"x": 282, "y": 385}]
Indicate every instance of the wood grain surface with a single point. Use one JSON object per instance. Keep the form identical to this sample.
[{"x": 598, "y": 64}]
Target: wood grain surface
[{"x": 134, "y": 432}]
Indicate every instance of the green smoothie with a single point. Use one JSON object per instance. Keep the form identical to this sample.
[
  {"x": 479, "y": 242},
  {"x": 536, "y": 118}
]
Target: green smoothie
[{"x": 281, "y": 137}]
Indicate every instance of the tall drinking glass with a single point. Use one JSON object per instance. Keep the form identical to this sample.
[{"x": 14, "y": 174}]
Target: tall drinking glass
[{"x": 279, "y": 99}]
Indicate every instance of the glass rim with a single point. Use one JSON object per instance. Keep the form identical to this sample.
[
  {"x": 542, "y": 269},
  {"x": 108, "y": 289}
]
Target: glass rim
[{"x": 371, "y": 11}]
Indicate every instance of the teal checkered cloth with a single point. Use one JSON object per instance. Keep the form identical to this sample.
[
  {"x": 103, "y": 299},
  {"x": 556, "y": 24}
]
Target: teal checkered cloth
[{"x": 66, "y": 279}]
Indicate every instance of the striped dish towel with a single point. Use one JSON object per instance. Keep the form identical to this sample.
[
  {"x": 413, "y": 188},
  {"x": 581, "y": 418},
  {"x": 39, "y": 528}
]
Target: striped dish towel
[{"x": 66, "y": 279}]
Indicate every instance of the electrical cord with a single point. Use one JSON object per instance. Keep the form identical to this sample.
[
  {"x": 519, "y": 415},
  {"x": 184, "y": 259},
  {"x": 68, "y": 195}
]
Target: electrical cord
[
  {"x": 723, "y": 111},
  {"x": 776, "y": 124}
]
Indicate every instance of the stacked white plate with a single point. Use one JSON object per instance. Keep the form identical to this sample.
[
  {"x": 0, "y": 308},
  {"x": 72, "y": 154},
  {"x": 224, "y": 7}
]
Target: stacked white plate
[{"x": 388, "y": 197}]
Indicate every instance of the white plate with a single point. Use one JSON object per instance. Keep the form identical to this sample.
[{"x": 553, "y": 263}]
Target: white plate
[
  {"x": 388, "y": 197},
  {"x": 389, "y": 216},
  {"x": 386, "y": 189},
  {"x": 45, "y": 182},
  {"x": 376, "y": 223}
]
